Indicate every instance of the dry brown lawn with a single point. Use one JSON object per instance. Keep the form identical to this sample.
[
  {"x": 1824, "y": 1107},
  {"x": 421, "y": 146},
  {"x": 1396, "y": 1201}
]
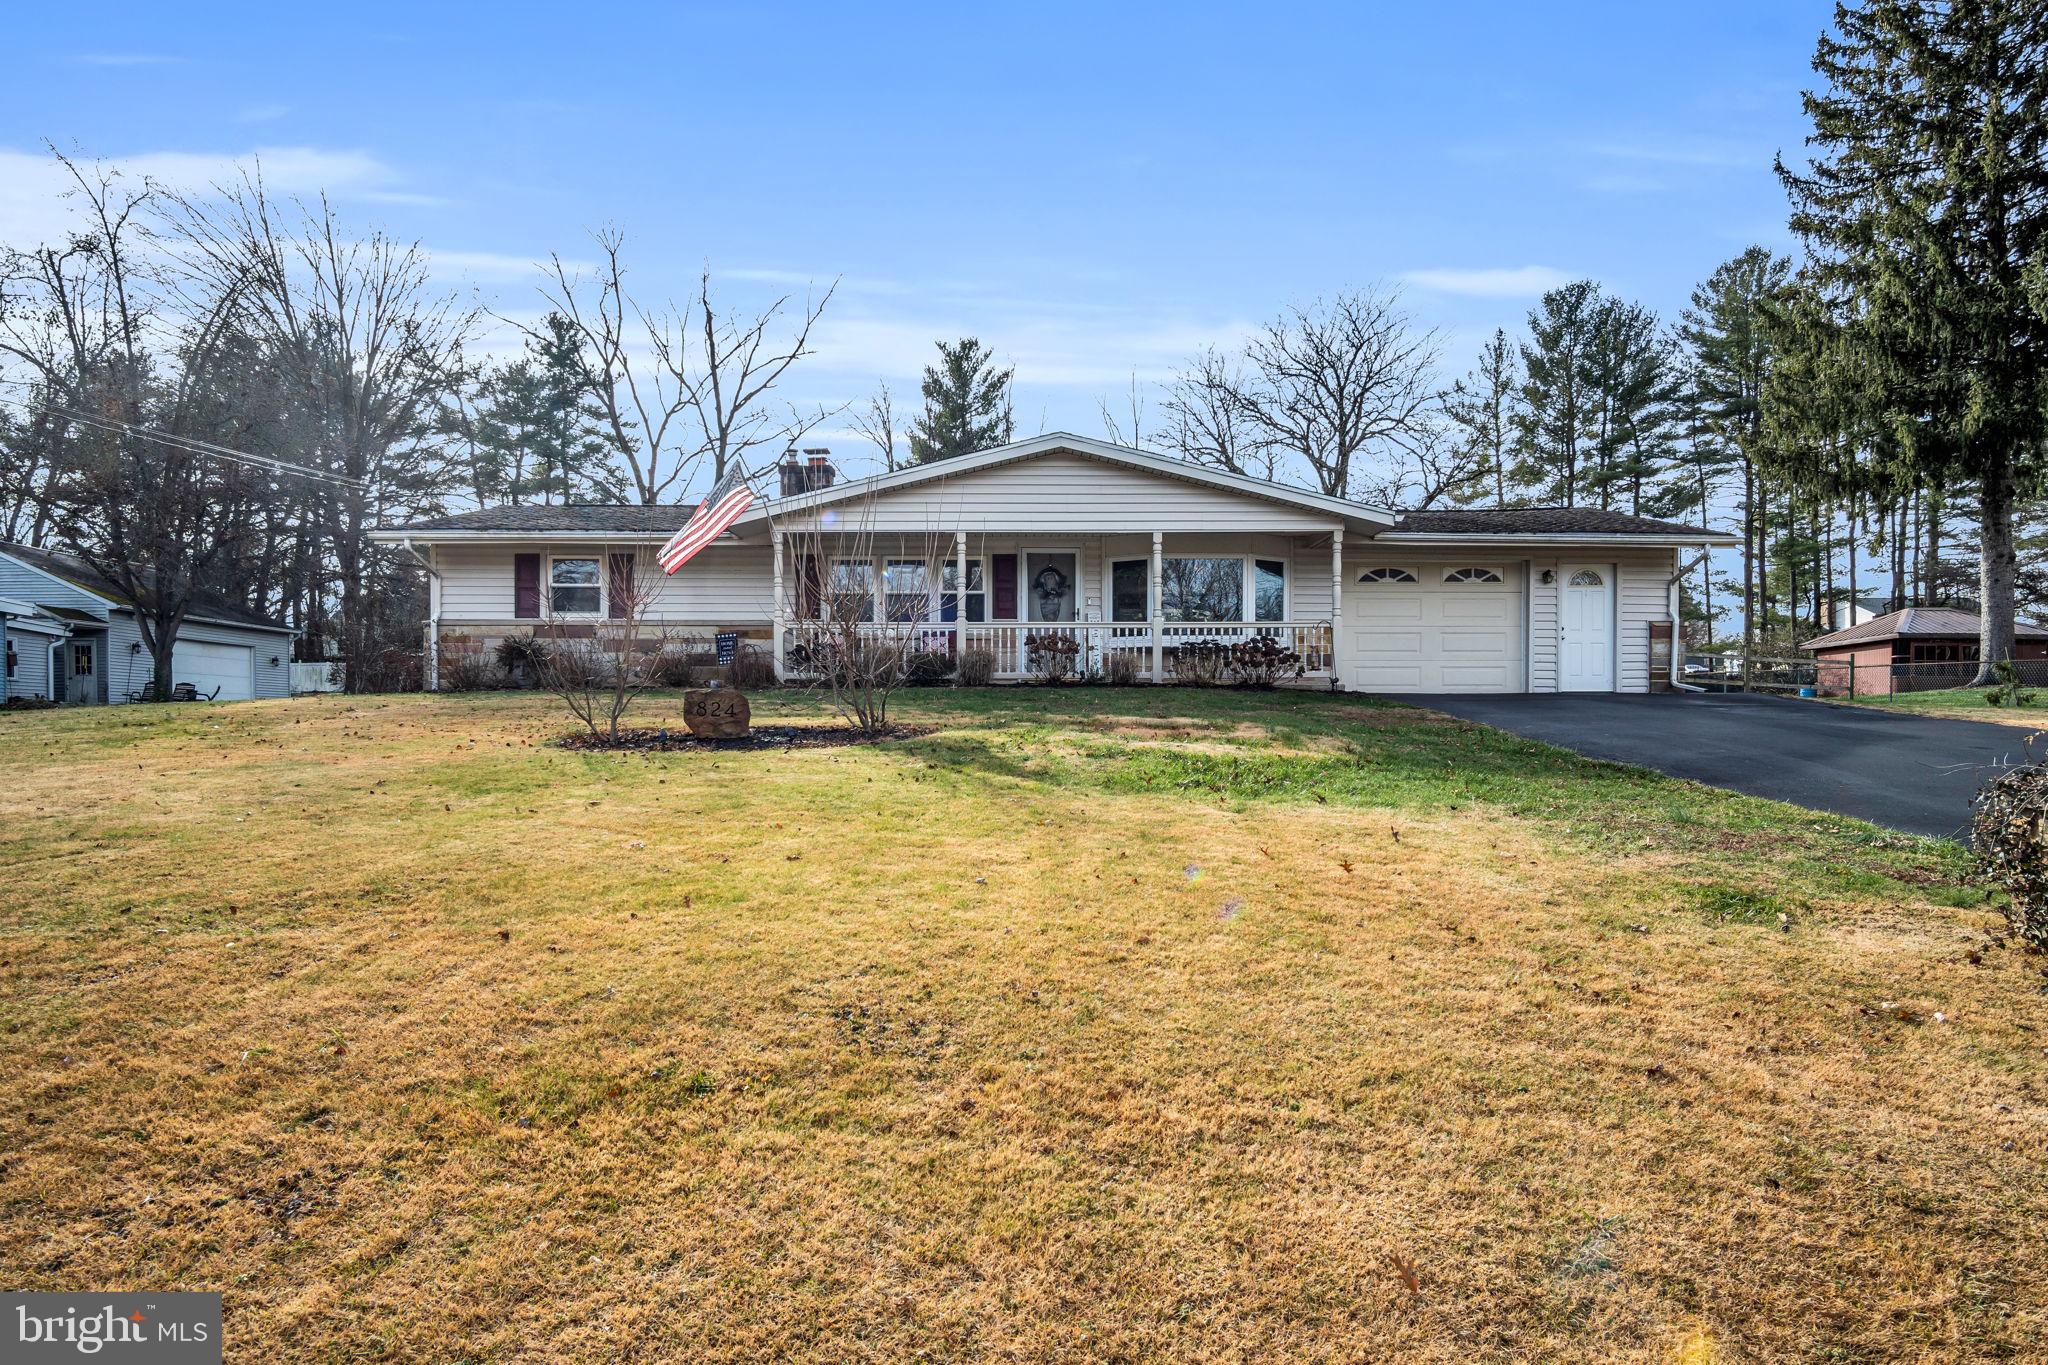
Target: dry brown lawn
[{"x": 1089, "y": 1027}]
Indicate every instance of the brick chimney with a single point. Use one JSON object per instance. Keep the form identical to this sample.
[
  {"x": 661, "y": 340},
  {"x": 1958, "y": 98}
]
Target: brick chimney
[
  {"x": 819, "y": 473},
  {"x": 794, "y": 476}
]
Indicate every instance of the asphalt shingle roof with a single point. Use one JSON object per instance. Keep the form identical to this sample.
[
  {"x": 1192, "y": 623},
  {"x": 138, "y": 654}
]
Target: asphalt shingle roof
[
  {"x": 210, "y": 605},
  {"x": 577, "y": 516},
  {"x": 1918, "y": 623},
  {"x": 1541, "y": 521}
]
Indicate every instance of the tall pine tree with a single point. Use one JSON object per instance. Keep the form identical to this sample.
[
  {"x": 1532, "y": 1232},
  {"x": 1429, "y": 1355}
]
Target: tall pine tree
[
  {"x": 1556, "y": 424},
  {"x": 966, "y": 404},
  {"x": 1925, "y": 210}
]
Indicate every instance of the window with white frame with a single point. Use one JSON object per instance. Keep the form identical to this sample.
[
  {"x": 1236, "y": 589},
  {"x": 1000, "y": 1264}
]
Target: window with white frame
[
  {"x": 1387, "y": 575},
  {"x": 1201, "y": 588},
  {"x": 949, "y": 591},
  {"x": 1472, "y": 576},
  {"x": 1130, "y": 590},
  {"x": 907, "y": 589},
  {"x": 1269, "y": 590},
  {"x": 575, "y": 587},
  {"x": 851, "y": 590}
]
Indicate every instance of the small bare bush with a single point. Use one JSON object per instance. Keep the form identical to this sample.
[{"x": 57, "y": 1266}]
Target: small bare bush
[
  {"x": 469, "y": 670},
  {"x": 751, "y": 667},
  {"x": 1199, "y": 663},
  {"x": 521, "y": 656},
  {"x": 1052, "y": 657},
  {"x": 1120, "y": 669},
  {"x": 977, "y": 667},
  {"x": 2010, "y": 837}
]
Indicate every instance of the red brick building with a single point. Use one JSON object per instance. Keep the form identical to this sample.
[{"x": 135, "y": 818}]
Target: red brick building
[{"x": 1911, "y": 651}]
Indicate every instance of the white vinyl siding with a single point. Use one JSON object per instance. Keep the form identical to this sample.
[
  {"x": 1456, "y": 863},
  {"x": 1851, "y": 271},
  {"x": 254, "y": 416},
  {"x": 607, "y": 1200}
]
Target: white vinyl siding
[
  {"x": 1641, "y": 597},
  {"x": 1070, "y": 494},
  {"x": 723, "y": 585}
]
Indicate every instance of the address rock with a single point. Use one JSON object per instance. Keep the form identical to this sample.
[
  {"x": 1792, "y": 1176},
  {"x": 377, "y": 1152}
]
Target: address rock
[{"x": 716, "y": 713}]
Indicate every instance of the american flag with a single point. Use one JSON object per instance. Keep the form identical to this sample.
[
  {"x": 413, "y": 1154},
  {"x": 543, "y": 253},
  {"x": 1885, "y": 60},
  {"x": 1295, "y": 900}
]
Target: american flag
[{"x": 728, "y": 499}]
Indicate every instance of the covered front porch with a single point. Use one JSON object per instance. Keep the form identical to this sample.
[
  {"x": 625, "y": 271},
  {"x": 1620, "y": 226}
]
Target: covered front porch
[{"x": 1155, "y": 606}]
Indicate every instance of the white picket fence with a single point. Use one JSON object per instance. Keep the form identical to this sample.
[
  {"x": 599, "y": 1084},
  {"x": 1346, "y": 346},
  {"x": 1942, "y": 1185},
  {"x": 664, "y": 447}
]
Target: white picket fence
[{"x": 318, "y": 677}]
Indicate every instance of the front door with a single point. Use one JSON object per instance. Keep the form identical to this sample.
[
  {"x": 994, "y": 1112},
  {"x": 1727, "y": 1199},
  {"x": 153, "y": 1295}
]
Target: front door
[
  {"x": 1051, "y": 585},
  {"x": 81, "y": 682},
  {"x": 1586, "y": 654}
]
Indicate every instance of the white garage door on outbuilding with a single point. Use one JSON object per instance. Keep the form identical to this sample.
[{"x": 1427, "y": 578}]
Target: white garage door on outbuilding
[
  {"x": 231, "y": 668},
  {"x": 1427, "y": 626}
]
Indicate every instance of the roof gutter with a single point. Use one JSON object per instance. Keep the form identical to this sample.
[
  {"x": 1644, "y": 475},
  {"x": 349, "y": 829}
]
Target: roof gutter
[
  {"x": 430, "y": 660},
  {"x": 1670, "y": 540}
]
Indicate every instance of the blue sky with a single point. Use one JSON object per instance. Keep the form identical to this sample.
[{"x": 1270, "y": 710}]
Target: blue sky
[{"x": 1094, "y": 193}]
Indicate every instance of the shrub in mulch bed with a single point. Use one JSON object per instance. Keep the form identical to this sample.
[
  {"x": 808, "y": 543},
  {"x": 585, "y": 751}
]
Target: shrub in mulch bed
[
  {"x": 668, "y": 741},
  {"x": 2010, "y": 838}
]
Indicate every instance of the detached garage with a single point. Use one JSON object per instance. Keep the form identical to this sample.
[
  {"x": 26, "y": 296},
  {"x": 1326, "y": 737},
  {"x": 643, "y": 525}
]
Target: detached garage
[
  {"x": 224, "y": 672},
  {"x": 92, "y": 652}
]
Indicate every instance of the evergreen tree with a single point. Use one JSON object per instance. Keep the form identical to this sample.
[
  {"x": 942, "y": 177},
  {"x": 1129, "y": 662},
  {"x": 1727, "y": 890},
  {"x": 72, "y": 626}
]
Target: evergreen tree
[
  {"x": 536, "y": 429},
  {"x": 966, "y": 404},
  {"x": 1925, "y": 210},
  {"x": 1629, "y": 377},
  {"x": 1483, "y": 408},
  {"x": 1731, "y": 353},
  {"x": 1556, "y": 423}
]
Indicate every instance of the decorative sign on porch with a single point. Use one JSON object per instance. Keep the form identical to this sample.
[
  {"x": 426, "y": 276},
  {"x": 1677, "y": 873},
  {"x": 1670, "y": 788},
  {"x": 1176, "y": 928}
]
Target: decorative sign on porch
[
  {"x": 716, "y": 713},
  {"x": 727, "y": 642}
]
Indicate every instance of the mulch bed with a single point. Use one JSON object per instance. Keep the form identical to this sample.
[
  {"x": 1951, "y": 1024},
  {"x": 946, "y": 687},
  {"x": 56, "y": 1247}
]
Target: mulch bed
[{"x": 763, "y": 737}]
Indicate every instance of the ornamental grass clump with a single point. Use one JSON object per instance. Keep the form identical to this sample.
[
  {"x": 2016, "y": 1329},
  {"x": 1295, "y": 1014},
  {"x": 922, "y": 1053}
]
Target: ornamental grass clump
[{"x": 2010, "y": 837}]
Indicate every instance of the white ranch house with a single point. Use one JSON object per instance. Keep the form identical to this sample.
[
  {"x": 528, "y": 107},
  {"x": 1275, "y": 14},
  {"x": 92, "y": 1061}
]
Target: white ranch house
[{"x": 1123, "y": 550}]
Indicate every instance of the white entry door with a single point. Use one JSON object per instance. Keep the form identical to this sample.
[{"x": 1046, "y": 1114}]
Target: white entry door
[
  {"x": 1586, "y": 658},
  {"x": 230, "y": 668}
]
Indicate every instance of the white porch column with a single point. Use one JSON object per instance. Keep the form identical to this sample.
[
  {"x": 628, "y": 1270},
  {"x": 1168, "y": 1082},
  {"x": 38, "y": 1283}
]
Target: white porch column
[
  {"x": 776, "y": 536},
  {"x": 1158, "y": 613},
  {"x": 1336, "y": 603},
  {"x": 433, "y": 664},
  {"x": 959, "y": 596}
]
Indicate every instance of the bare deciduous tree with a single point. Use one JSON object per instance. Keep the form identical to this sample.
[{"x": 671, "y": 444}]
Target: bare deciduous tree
[
  {"x": 651, "y": 388},
  {"x": 1338, "y": 379},
  {"x": 599, "y": 676},
  {"x": 1209, "y": 422},
  {"x": 1432, "y": 467},
  {"x": 876, "y": 423},
  {"x": 361, "y": 344},
  {"x": 132, "y": 379},
  {"x": 838, "y": 644},
  {"x": 1133, "y": 434}
]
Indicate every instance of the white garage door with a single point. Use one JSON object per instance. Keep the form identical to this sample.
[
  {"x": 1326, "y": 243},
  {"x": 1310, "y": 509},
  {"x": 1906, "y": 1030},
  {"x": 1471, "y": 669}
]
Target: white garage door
[
  {"x": 231, "y": 668},
  {"x": 1421, "y": 627}
]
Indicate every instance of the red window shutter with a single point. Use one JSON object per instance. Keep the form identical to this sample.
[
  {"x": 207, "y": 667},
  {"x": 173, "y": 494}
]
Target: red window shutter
[
  {"x": 1004, "y": 570},
  {"x": 526, "y": 587},
  {"x": 619, "y": 598},
  {"x": 807, "y": 588}
]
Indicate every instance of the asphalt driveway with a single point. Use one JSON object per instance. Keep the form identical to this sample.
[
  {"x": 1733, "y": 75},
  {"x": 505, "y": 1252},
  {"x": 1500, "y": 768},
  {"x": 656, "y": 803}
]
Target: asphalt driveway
[{"x": 1905, "y": 772}]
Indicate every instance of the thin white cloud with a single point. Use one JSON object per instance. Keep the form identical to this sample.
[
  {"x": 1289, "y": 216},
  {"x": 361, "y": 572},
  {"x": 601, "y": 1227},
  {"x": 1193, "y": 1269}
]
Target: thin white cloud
[
  {"x": 33, "y": 187},
  {"x": 1499, "y": 282},
  {"x": 125, "y": 59}
]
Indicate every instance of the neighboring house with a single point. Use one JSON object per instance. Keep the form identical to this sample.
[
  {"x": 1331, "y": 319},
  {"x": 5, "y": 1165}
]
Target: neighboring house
[
  {"x": 1912, "y": 650},
  {"x": 1844, "y": 612},
  {"x": 1122, "y": 550},
  {"x": 71, "y": 635}
]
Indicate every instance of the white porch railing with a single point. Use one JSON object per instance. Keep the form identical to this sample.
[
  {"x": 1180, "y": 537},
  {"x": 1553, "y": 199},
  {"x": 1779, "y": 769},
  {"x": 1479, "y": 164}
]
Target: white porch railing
[{"x": 1019, "y": 647}]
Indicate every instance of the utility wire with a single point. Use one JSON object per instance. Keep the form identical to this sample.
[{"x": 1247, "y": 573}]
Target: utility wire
[{"x": 193, "y": 445}]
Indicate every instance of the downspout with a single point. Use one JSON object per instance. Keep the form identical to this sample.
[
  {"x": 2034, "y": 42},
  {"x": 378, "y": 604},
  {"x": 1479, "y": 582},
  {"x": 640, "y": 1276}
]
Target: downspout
[
  {"x": 1671, "y": 595},
  {"x": 430, "y": 670}
]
